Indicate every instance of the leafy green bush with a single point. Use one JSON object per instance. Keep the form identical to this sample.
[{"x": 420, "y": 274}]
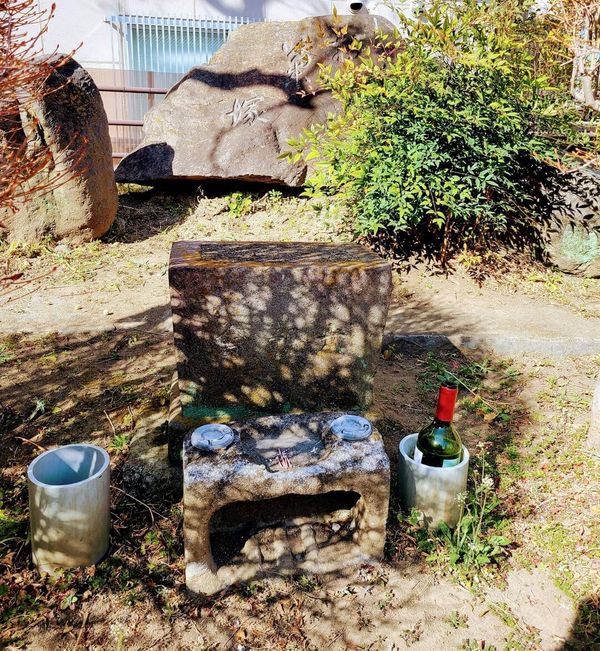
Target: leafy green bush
[
  {"x": 239, "y": 204},
  {"x": 446, "y": 133}
]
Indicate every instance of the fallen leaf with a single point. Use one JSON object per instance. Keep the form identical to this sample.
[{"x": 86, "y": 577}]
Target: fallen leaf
[
  {"x": 8, "y": 559},
  {"x": 241, "y": 636}
]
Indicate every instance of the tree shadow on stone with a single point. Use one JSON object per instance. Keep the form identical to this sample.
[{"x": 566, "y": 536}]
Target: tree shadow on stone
[
  {"x": 295, "y": 91},
  {"x": 258, "y": 330}
]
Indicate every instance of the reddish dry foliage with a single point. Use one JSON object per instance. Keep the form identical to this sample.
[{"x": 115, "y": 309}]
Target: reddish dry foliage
[{"x": 24, "y": 70}]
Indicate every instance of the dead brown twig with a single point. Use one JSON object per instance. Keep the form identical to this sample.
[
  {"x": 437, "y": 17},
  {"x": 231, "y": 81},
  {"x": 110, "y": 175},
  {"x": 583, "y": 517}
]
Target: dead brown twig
[
  {"x": 82, "y": 628},
  {"x": 19, "y": 284},
  {"x": 135, "y": 499},
  {"x": 111, "y": 423},
  {"x": 30, "y": 442}
]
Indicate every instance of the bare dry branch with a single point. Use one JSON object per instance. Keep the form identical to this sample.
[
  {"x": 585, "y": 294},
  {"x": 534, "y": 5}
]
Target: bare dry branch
[
  {"x": 580, "y": 22},
  {"x": 24, "y": 72}
]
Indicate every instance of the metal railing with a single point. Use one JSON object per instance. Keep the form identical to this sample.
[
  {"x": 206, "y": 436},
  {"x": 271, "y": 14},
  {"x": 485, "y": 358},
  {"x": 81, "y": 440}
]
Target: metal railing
[{"x": 112, "y": 122}]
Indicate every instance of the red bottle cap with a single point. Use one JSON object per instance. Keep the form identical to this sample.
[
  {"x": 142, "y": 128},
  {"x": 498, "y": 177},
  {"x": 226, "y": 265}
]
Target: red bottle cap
[{"x": 446, "y": 402}]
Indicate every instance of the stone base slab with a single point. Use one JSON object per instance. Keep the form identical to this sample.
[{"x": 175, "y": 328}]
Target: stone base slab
[
  {"x": 246, "y": 515},
  {"x": 147, "y": 473}
]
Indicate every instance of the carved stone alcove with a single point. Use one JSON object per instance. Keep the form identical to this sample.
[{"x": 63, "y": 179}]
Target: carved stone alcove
[{"x": 286, "y": 496}]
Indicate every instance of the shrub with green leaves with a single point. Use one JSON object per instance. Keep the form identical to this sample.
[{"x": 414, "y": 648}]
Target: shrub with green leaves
[
  {"x": 446, "y": 131},
  {"x": 239, "y": 204}
]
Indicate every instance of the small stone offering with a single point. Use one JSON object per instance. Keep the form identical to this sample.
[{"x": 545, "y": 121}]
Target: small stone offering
[{"x": 285, "y": 497}]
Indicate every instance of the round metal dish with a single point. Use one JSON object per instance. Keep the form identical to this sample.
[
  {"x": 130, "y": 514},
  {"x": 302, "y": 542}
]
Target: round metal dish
[
  {"x": 214, "y": 436},
  {"x": 351, "y": 428}
]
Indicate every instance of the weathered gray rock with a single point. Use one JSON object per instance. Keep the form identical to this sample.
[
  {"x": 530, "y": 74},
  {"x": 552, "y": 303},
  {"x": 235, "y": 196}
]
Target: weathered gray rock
[
  {"x": 147, "y": 473},
  {"x": 286, "y": 496},
  {"x": 268, "y": 327},
  {"x": 232, "y": 119},
  {"x": 81, "y": 202},
  {"x": 574, "y": 234}
]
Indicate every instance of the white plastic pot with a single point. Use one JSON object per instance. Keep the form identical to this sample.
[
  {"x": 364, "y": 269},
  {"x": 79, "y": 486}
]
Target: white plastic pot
[
  {"x": 433, "y": 491},
  {"x": 69, "y": 506}
]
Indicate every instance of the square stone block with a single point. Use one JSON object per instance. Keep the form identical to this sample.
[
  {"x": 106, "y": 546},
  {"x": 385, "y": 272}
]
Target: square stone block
[
  {"x": 270, "y": 327},
  {"x": 286, "y": 496}
]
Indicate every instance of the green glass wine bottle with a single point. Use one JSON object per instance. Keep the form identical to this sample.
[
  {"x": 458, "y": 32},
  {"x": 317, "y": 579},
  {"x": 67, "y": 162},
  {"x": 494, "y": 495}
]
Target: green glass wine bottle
[{"x": 438, "y": 444}]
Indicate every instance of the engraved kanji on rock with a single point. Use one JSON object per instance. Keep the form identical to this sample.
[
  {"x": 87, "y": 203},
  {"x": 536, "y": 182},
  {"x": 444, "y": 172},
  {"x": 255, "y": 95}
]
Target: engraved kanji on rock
[
  {"x": 245, "y": 111},
  {"x": 258, "y": 92}
]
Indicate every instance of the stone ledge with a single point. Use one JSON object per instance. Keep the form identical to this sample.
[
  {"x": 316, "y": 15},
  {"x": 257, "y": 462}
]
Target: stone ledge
[{"x": 499, "y": 344}]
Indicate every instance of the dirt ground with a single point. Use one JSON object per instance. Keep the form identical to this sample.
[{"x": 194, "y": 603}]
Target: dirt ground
[
  {"x": 121, "y": 281},
  {"x": 106, "y": 370}
]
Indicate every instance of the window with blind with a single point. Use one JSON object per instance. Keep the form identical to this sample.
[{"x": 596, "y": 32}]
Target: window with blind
[{"x": 172, "y": 44}]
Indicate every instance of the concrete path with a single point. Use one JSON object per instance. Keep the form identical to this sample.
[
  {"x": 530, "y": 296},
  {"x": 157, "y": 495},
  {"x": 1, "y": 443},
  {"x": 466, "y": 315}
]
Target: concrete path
[
  {"x": 454, "y": 307},
  {"x": 487, "y": 317}
]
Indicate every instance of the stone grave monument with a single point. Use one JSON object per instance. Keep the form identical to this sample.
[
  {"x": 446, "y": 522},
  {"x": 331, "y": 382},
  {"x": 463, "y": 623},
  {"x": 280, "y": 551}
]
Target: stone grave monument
[
  {"x": 279, "y": 341},
  {"x": 232, "y": 118}
]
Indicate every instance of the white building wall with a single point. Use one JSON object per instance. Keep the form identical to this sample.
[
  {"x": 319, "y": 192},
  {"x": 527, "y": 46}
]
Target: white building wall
[
  {"x": 82, "y": 24},
  {"x": 117, "y": 62}
]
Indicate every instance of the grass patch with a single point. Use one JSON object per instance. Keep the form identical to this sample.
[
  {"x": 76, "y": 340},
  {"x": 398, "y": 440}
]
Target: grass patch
[
  {"x": 582, "y": 295},
  {"x": 521, "y": 637},
  {"x": 12, "y": 524},
  {"x": 6, "y": 355},
  {"x": 239, "y": 204},
  {"x": 457, "y": 619},
  {"x": 145, "y": 563},
  {"x": 479, "y": 541}
]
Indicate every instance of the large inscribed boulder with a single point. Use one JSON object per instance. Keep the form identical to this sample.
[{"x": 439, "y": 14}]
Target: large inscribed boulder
[
  {"x": 232, "y": 119},
  {"x": 75, "y": 197}
]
